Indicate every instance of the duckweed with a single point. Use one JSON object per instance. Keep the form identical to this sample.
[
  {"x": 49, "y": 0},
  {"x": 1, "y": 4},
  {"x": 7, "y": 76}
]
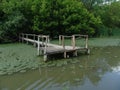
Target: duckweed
[{"x": 21, "y": 57}]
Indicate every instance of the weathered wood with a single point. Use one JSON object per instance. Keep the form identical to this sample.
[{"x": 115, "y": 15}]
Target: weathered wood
[
  {"x": 47, "y": 39},
  {"x": 65, "y": 54},
  {"x": 75, "y": 53},
  {"x": 63, "y": 42},
  {"x": 45, "y": 57},
  {"x": 22, "y": 37},
  {"x": 38, "y": 53},
  {"x": 34, "y": 40},
  {"x": 73, "y": 41},
  {"x": 27, "y": 37},
  {"x": 60, "y": 39},
  {"x": 45, "y": 48},
  {"x": 86, "y": 42}
]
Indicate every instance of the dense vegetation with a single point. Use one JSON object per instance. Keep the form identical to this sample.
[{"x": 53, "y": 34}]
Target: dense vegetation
[{"x": 56, "y": 17}]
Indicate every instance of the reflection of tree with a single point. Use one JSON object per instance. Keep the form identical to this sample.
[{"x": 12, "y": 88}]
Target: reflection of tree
[
  {"x": 94, "y": 67},
  {"x": 89, "y": 68}
]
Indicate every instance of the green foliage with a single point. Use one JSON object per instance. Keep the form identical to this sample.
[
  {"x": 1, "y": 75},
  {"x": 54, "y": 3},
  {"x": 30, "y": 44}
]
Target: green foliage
[
  {"x": 91, "y": 4},
  {"x": 110, "y": 17},
  {"x": 51, "y": 17},
  {"x": 113, "y": 13},
  {"x": 64, "y": 17},
  {"x": 15, "y": 19}
]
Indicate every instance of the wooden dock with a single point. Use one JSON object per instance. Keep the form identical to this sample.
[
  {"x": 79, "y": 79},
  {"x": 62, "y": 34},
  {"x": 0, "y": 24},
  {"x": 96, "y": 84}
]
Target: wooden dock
[{"x": 45, "y": 48}]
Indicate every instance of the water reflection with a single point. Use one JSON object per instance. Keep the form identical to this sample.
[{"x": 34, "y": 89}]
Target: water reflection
[
  {"x": 97, "y": 71},
  {"x": 116, "y": 69}
]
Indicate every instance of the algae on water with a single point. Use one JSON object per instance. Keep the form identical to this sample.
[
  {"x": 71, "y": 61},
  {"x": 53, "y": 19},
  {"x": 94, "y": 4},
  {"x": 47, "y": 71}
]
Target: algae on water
[{"x": 17, "y": 58}]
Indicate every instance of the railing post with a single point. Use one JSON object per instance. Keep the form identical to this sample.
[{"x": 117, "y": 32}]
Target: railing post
[
  {"x": 42, "y": 41},
  {"x": 45, "y": 49},
  {"x": 27, "y": 37},
  {"x": 48, "y": 39},
  {"x": 38, "y": 53},
  {"x": 86, "y": 42},
  {"x": 63, "y": 44},
  {"x": 73, "y": 41},
  {"x": 60, "y": 41},
  {"x": 34, "y": 39},
  {"x": 73, "y": 44}
]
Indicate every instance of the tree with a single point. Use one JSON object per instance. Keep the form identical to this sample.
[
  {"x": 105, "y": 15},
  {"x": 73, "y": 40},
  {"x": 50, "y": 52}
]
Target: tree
[
  {"x": 90, "y": 4},
  {"x": 113, "y": 15},
  {"x": 79, "y": 19},
  {"x": 14, "y": 19},
  {"x": 110, "y": 16},
  {"x": 51, "y": 17},
  {"x": 64, "y": 17}
]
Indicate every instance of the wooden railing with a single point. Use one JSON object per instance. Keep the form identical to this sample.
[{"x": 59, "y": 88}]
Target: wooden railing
[
  {"x": 42, "y": 41},
  {"x": 45, "y": 41},
  {"x": 73, "y": 40},
  {"x": 23, "y": 35},
  {"x": 83, "y": 36}
]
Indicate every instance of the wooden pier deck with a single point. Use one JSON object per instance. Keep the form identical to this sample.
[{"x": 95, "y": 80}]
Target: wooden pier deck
[{"x": 45, "y": 48}]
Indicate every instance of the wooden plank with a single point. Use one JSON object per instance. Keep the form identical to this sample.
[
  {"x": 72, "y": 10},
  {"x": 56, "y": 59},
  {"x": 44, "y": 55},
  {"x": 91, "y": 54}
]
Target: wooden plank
[
  {"x": 48, "y": 48},
  {"x": 51, "y": 45}
]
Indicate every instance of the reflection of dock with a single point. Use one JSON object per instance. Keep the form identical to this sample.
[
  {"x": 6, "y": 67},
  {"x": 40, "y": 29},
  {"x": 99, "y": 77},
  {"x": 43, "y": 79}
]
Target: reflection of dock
[{"x": 44, "y": 47}]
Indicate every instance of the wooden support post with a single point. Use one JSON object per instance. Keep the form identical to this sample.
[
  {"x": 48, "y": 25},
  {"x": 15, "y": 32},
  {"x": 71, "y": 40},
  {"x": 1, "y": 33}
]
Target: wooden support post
[
  {"x": 45, "y": 49},
  {"x": 86, "y": 42},
  {"x": 60, "y": 41},
  {"x": 45, "y": 57},
  {"x": 88, "y": 51},
  {"x": 48, "y": 39},
  {"x": 42, "y": 41},
  {"x": 27, "y": 38},
  {"x": 65, "y": 54},
  {"x": 38, "y": 53},
  {"x": 73, "y": 41},
  {"x": 34, "y": 39},
  {"x": 75, "y": 53},
  {"x": 63, "y": 42}
]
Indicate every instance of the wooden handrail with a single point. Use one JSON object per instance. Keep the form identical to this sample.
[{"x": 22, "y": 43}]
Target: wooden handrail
[
  {"x": 81, "y": 35},
  {"x": 44, "y": 43}
]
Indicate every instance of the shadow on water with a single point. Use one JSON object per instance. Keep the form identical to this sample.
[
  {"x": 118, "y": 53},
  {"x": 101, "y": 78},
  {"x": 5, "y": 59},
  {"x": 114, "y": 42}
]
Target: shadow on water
[{"x": 86, "y": 72}]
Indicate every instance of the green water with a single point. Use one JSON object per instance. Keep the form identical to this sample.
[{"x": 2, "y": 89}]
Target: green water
[{"x": 98, "y": 71}]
